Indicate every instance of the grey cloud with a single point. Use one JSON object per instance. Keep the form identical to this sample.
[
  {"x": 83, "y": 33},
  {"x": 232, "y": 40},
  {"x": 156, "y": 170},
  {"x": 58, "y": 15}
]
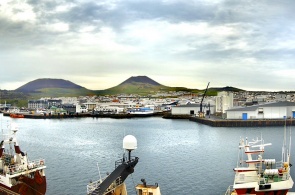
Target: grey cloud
[{"x": 266, "y": 27}]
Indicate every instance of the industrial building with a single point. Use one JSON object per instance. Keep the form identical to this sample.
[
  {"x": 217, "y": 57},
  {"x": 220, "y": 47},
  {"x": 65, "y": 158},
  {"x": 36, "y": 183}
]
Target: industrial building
[
  {"x": 277, "y": 110},
  {"x": 224, "y": 101},
  {"x": 192, "y": 109}
]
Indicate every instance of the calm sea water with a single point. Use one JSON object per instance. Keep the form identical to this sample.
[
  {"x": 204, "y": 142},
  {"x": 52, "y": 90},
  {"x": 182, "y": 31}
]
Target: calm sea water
[{"x": 184, "y": 157}]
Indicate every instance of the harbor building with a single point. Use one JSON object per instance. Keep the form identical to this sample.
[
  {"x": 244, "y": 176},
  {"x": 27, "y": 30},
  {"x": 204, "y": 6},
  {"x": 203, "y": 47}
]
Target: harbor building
[
  {"x": 224, "y": 101},
  {"x": 192, "y": 109},
  {"x": 276, "y": 110},
  {"x": 37, "y": 104},
  {"x": 90, "y": 105},
  {"x": 41, "y": 104}
]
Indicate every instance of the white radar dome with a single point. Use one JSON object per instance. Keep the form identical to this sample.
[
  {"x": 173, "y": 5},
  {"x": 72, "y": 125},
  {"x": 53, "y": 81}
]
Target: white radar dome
[{"x": 129, "y": 142}]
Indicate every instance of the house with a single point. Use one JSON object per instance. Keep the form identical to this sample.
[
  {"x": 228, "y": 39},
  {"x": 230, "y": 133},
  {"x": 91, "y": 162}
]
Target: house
[
  {"x": 37, "y": 104},
  {"x": 90, "y": 105},
  {"x": 70, "y": 108},
  {"x": 81, "y": 108},
  {"x": 276, "y": 110},
  {"x": 54, "y": 102}
]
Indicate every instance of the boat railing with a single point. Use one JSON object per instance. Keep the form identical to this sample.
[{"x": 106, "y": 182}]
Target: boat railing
[
  {"x": 94, "y": 186},
  {"x": 115, "y": 184},
  {"x": 125, "y": 160},
  {"x": 241, "y": 178},
  {"x": 18, "y": 168},
  {"x": 14, "y": 169},
  {"x": 229, "y": 190},
  {"x": 284, "y": 174},
  {"x": 36, "y": 163}
]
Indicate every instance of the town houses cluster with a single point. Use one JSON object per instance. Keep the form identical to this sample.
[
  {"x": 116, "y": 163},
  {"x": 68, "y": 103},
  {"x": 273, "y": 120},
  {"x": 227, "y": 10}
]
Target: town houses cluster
[{"x": 226, "y": 104}]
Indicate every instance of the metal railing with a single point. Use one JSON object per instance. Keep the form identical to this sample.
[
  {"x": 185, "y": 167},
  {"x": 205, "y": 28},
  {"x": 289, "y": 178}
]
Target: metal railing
[
  {"x": 18, "y": 168},
  {"x": 94, "y": 186}
]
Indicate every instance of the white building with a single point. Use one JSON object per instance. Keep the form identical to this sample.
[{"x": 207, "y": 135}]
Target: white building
[
  {"x": 224, "y": 101},
  {"x": 81, "y": 108},
  {"x": 191, "y": 109},
  {"x": 281, "y": 97},
  {"x": 90, "y": 105},
  {"x": 277, "y": 110}
]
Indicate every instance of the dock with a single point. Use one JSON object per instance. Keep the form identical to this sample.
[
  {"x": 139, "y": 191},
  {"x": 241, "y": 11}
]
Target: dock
[
  {"x": 51, "y": 116},
  {"x": 79, "y": 115},
  {"x": 213, "y": 122}
]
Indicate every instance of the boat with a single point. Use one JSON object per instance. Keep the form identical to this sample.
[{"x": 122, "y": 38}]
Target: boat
[
  {"x": 260, "y": 176},
  {"x": 16, "y": 115},
  {"x": 141, "y": 111},
  {"x": 114, "y": 183},
  {"x": 18, "y": 174}
]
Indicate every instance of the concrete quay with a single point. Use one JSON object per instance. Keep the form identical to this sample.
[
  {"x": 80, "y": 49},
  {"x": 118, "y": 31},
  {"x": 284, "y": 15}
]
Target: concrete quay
[
  {"x": 51, "y": 116},
  {"x": 213, "y": 122},
  {"x": 79, "y": 115}
]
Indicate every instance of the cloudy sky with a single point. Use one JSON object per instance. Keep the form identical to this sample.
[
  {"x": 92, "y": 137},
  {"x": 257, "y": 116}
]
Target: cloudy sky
[{"x": 247, "y": 44}]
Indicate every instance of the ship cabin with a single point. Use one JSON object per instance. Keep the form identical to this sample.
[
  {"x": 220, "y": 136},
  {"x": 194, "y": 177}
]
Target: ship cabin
[{"x": 144, "y": 189}]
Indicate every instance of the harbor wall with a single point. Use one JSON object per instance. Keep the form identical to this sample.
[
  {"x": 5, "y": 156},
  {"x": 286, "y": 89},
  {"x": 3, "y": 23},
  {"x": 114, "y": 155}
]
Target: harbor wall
[
  {"x": 213, "y": 122},
  {"x": 243, "y": 123},
  {"x": 52, "y": 116},
  {"x": 79, "y": 115}
]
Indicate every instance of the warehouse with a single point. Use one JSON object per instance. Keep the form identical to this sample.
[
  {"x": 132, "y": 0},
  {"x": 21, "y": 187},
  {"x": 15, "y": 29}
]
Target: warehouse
[
  {"x": 277, "y": 110},
  {"x": 192, "y": 109}
]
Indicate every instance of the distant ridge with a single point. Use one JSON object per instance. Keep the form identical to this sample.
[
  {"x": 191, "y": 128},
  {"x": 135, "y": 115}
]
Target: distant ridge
[
  {"x": 140, "y": 79},
  {"x": 140, "y": 85},
  {"x": 227, "y": 88},
  {"x": 47, "y": 83}
]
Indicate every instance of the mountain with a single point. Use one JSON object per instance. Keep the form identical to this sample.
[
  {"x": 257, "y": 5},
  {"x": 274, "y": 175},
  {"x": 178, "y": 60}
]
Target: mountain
[
  {"x": 140, "y": 79},
  {"x": 47, "y": 83},
  {"x": 141, "y": 85},
  {"x": 47, "y": 87},
  {"x": 227, "y": 88}
]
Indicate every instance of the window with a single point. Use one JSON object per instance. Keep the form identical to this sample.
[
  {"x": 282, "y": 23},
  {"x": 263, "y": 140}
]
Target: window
[{"x": 260, "y": 110}]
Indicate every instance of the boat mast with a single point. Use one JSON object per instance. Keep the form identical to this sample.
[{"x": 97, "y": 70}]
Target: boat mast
[
  {"x": 284, "y": 142},
  {"x": 289, "y": 150}
]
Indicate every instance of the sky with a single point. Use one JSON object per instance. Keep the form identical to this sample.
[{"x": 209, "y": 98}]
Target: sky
[{"x": 247, "y": 44}]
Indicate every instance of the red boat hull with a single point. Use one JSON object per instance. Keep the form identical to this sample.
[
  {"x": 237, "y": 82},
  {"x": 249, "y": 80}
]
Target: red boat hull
[
  {"x": 252, "y": 191},
  {"x": 28, "y": 186}
]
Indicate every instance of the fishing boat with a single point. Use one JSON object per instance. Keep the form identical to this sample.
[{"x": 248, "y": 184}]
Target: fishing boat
[
  {"x": 114, "y": 183},
  {"x": 141, "y": 111},
  {"x": 16, "y": 115},
  {"x": 18, "y": 174},
  {"x": 257, "y": 175}
]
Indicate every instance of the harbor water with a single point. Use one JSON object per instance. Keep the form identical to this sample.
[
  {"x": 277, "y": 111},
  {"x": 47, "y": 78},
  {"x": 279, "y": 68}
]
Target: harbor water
[{"x": 182, "y": 156}]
